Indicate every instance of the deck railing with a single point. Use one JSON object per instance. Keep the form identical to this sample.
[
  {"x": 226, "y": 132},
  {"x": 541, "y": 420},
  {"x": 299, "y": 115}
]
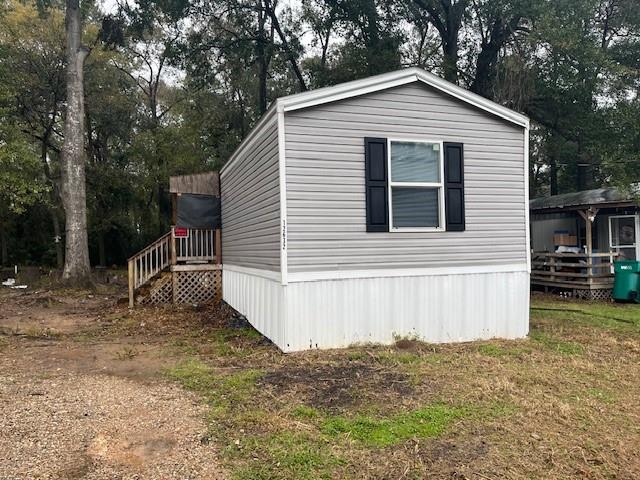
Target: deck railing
[
  {"x": 572, "y": 270},
  {"x": 198, "y": 245}
]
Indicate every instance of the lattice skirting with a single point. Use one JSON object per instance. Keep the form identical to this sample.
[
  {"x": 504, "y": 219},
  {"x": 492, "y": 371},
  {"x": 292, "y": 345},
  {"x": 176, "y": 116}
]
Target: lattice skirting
[
  {"x": 600, "y": 294},
  {"x": 159, "y": 291},
  {"x": 196, "y": 286}
]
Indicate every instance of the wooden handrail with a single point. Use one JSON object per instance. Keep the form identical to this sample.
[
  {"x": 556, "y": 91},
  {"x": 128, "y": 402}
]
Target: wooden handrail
[
  {"x": 147, "y": 263},
  {"x": 544, "y": 263},
  {"x": 142, "y": 250},
  {"x": 575, "y": 255}
]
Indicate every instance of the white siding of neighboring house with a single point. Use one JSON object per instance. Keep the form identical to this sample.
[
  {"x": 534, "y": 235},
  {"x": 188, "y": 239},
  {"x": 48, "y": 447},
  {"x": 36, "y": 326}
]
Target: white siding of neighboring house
[{"x": 326, "y": 185}]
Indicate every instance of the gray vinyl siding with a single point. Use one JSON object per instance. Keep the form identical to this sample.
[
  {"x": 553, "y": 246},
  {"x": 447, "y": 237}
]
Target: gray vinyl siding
[
  {"x": 326, "y": 186},
  {"x": 251, "y": 204}
]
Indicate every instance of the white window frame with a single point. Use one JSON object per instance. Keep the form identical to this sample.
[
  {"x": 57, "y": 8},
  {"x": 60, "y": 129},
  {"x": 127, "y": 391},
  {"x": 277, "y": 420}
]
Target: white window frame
[
  {"x": 439, "y": 185},
  {"x": 636, "y": 218}
]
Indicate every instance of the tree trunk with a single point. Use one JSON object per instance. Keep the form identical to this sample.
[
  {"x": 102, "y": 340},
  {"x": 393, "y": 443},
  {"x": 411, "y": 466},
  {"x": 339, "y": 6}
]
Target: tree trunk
[
  {"x": 485, "y": 71},
  {"x": 553, "y": 175},
  {"x": 77, "y": 270},
  {"x": 285, "y": 45},
  {"x": 446, "y": 17},
  {"x": 262, "y": 64},
  {"x": 450, "y": 56},
  {"x": 487, "y": 62}
]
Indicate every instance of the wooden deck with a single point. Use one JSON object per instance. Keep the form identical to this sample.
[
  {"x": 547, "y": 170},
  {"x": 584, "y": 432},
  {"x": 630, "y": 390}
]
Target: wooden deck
[
  {"x": 588, "y": 276},
  {"x": 178, "y": 269}
]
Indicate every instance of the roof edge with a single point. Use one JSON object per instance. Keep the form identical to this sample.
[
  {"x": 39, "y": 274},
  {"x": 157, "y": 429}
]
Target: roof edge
[
  {"x": 581, "y": 206},
  {"x": 576, "y": 200}
]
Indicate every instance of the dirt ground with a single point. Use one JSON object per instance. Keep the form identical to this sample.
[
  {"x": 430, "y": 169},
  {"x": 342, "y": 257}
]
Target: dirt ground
[
  {"x": 80, "y": 397},
  {"x": 89, "y": 389}
]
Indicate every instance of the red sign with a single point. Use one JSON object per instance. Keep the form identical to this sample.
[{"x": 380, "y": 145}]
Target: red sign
[{"x": 180, "y": 232}]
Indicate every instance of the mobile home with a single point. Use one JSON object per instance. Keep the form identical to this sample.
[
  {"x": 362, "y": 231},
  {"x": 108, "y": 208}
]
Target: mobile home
[{"x": 393, "y": 206}]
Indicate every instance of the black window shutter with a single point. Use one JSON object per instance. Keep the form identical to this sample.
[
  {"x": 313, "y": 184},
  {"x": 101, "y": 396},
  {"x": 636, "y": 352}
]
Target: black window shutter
[
  {"x": 375, "y": 167},
  {"x": 454, "y": 186}
]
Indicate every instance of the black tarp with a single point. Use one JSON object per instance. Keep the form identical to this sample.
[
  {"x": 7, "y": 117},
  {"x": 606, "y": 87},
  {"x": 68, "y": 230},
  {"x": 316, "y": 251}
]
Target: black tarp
[{"x": 198, "y": 211}]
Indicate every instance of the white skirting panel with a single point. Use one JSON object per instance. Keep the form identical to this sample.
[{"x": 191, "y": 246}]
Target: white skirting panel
[
  {"x": 437, "y": 309},
  {"x": 258, "y": 298},
  {"x": 339, "y": 313}
]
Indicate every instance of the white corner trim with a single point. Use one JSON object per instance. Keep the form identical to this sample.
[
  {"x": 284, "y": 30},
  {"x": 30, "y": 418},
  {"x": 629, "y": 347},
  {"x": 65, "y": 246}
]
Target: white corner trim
[
  {"x": 252, "y": 137},
  {"x": 282, "y": 167},
  {"x": 296, "y": 277},
  {"x": 256, "y": 272},
  {"x": 394, "y": 79},
  {"x": 527, "y": 213}
]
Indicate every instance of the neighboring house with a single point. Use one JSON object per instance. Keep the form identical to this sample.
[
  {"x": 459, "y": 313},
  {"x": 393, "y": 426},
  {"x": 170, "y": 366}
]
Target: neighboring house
[
  {"x": 387, "y": 207},
  {"x": 576, "y": 236},
  {"x": 615, "y": 225}
]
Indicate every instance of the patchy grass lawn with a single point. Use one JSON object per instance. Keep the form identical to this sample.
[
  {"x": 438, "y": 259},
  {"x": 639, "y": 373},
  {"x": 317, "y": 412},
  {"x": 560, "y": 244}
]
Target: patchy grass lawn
[{"x": 564, "y": 403}]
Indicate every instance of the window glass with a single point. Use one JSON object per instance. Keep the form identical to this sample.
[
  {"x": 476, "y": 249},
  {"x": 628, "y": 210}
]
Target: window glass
[
  {"x": 415, "y": 162},
  {"x": 623, "y": 231},
  {"x": 414, "y": 207}
]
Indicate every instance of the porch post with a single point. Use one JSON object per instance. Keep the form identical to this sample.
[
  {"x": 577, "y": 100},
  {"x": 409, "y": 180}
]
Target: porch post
[
  {"x": 589, "y": 234},
  {"x": 131, "y": 280},
  {"x": 589, "y": 216},
  {"x": 174, "y": 255}
]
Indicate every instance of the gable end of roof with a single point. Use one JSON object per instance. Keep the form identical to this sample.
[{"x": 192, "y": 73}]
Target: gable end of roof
[{"x": 395, "y": 79}]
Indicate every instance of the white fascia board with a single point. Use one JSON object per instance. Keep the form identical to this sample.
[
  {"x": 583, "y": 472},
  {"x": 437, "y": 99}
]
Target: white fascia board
[
  {"x": 394, "y": 79},
  {"x": 254, "y": 135},
  {"x": 295, "y": 277}
]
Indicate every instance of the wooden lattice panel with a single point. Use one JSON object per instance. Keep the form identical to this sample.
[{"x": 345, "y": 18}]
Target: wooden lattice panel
[
  {"x": 599, "y": 294},
  {"x": 159, "y": 291},
  {"x": 197, "y": 286}
]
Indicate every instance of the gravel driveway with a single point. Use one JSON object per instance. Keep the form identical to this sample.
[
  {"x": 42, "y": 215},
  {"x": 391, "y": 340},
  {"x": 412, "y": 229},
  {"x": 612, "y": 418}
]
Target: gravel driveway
[{"x": 72, "y": 409}]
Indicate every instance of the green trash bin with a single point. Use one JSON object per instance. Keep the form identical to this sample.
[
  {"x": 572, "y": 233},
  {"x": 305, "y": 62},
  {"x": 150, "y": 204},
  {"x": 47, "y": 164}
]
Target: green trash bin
[{"x": 626, "y": 285}]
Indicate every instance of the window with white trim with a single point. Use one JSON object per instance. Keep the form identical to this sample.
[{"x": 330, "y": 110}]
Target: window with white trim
[{"x": 416, "y": 190}]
